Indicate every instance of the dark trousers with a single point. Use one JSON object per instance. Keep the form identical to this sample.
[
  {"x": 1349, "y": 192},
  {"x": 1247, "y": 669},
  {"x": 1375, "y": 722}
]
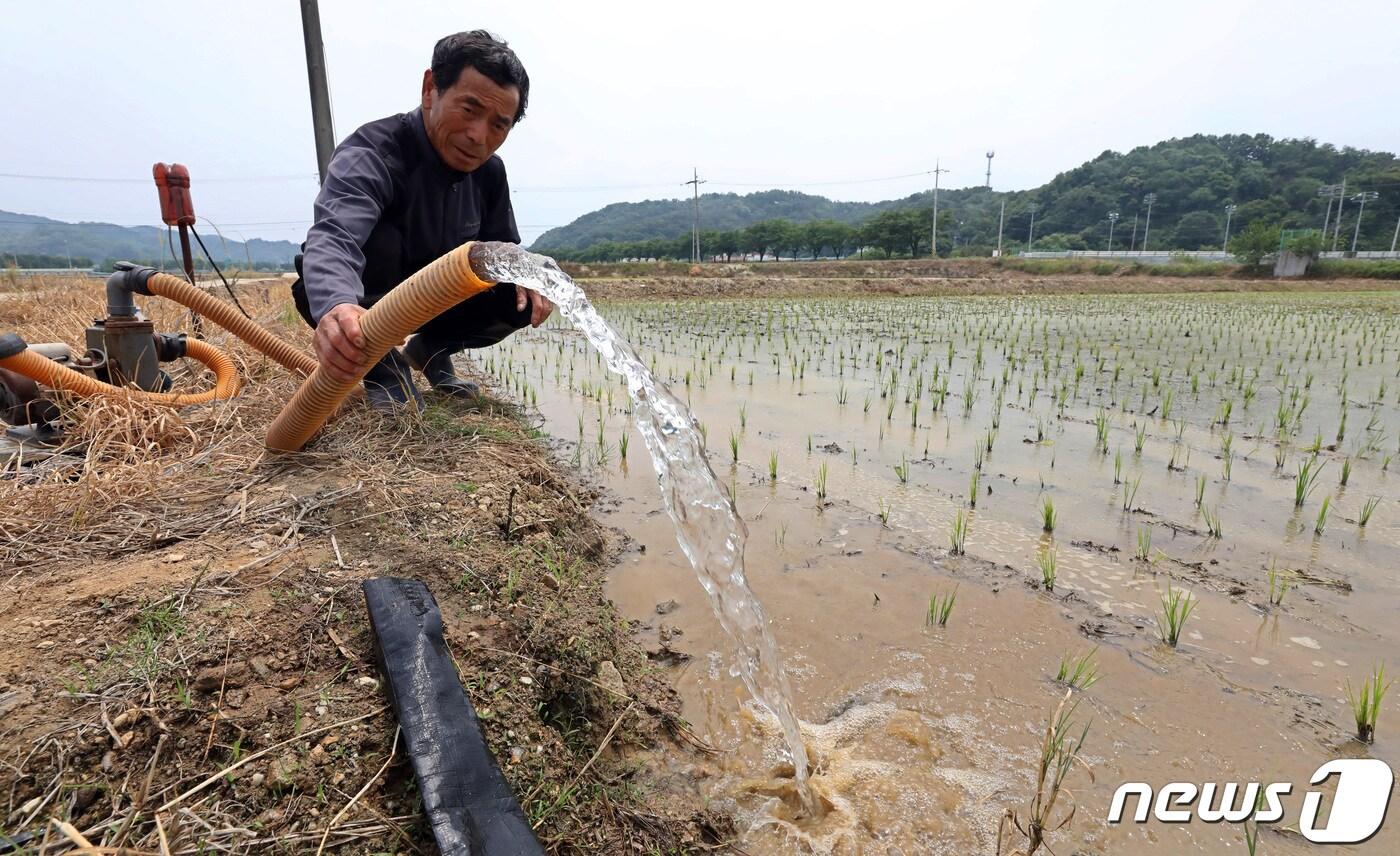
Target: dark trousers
[{"x": 477, "y": 322}]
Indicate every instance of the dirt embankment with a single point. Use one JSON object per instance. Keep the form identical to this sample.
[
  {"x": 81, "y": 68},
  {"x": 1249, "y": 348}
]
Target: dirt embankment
[{"x": 185, "y": 661}]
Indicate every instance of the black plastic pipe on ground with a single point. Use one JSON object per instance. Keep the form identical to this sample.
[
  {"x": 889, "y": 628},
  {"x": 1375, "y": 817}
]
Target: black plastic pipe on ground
[{"x": 467, "y": 801}]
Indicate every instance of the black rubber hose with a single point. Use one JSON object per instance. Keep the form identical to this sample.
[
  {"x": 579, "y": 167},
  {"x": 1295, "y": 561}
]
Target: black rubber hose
[{"x": 467, "y": 801}]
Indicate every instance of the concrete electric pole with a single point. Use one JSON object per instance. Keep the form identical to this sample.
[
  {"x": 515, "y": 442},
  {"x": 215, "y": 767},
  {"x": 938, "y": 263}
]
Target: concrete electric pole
[
  {"x": 1341, "y": 200},
  {"x": 1147, "y": 226},
  {"x": 1030, "y": 239},
  {"x": 695, "y": 215},
  {"x": 1329, "y": 192},
  {"x": 1362, "y": 198},
  {"x": 1112, "y": 219},
  {"x": 937, "y": 171},
  {"x": 1001, "y": 224},
  {"x": 1229, "y": 212},
  {"x": 322, "y": 123}
]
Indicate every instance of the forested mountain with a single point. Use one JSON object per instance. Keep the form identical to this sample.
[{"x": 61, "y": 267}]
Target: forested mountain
[
  {"x": 23, "y": 235},
  {"x": 1193, "y": 179}
]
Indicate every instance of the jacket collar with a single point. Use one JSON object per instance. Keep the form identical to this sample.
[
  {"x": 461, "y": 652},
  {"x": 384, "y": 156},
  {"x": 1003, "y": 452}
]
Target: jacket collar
[{"x": 430, "y": 153}]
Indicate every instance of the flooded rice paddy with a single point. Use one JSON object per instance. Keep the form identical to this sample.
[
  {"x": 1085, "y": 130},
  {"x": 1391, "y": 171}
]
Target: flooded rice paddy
[{"x": 884, "y": 452}]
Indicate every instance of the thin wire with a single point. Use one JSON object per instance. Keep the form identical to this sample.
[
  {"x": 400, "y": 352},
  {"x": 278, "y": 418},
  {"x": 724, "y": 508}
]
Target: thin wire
[
  {"x": 112, "y": 180},
  {"x": 215, "y": 265}
]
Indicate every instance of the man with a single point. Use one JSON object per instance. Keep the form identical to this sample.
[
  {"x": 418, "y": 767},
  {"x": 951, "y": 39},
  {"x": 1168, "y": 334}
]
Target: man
[{"x": 400, "y": 192}]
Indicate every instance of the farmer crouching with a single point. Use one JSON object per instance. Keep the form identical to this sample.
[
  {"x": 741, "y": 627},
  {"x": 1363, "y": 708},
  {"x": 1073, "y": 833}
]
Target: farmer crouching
[{"x": 399, "y": 193}]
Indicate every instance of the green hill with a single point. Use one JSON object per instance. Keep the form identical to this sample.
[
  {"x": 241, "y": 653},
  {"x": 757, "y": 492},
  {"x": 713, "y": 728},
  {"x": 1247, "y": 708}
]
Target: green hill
[
  {"x": 29, "y": 235},
  {"x": 1194, "y": 178}
]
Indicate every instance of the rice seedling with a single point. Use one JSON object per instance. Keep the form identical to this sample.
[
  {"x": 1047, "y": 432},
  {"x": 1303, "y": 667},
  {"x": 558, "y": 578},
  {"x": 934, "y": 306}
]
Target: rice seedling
[
  {"x": 622, "y": 443},
  {"x": 972, "y": 488},
  {"x": 1080, "y": 672},
  {"x": 734, "y": 447},
  {"x": 1059, "y": 753},
  {"x": 1366, "y": 703},
  {"x": 1278, "y": 583},
  {"x": 1322, "y": 515},
  {"x": 1200, "y": 489},
  {"x": 958, "y": 534},
  {"x": 1308, "y": 472},
  {"x": 821, "y": 482},
  {"x": 1346, "y": 470},
  {"x": 1048, "y": 560},
  {"x": 1144, "y": 544},
  {"x": 1140, "y": 439},
  {"x": 940, "y": 607},
  {"x": 884, "y": 512},
  {"x": 1118, "y": 467},
  {"x": 1177, "y": 606},
  {"x": 1130, "y": 492},
  {"x": 1048, "y": 516},
  {"x": 1212, "y": 520},
  {"x": 1367, "y": 509},
  {"x": 902, "y": 470},
  {"x": 773, "y": 466}
]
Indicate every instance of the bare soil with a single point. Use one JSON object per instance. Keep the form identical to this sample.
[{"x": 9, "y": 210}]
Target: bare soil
[{"x": 185, "y": 661}]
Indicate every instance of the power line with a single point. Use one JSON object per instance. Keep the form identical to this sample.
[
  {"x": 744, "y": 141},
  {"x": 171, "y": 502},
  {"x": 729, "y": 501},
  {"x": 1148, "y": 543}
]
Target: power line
[{"x": 116, "y": 180}]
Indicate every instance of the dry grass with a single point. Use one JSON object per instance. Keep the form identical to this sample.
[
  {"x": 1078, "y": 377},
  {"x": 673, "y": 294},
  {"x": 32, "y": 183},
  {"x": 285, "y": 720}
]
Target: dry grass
[{"x": 185, "y": 665}]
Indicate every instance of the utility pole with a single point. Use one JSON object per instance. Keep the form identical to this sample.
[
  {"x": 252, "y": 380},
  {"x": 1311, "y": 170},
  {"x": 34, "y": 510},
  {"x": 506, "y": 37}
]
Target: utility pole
[
  {"x": 1330, "y": 191},
  {"x": 1132, "y": 245},
  {"x": 1030, "y": 240},
  {"x": 1396, "y": 236},
  {"x": 1363, "y": 197},
  {"x": 1147, "y": 227},
  {"x": 322, "y": 123},
  {"x": 1112, "y": 219},
  {"x": 1341, "y": 200},
  {"x": 1001, "y": 223},
  {"x": 990, "y": 155},
  {"x": 695, "y": 216},
  {"x": 937, "y": 171},
  {"x": 1229, "y": 212}
]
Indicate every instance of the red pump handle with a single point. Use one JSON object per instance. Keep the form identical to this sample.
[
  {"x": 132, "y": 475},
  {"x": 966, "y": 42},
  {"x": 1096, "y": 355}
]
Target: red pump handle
[{"x": 173, "y": 185}]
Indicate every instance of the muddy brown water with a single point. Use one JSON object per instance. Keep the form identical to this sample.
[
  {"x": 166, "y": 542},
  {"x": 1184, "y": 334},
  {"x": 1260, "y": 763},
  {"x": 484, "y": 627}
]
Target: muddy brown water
[{"x": 922, "y": 737}]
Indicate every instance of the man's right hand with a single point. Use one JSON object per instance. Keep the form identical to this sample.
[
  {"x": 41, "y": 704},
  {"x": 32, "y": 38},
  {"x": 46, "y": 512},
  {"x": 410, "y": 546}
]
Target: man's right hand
[{"x": 340, "y": 346}]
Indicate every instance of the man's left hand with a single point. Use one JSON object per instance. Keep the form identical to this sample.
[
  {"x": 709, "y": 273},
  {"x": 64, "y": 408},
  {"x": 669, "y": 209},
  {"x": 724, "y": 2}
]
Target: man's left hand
[{"x": 540, "y": 307}]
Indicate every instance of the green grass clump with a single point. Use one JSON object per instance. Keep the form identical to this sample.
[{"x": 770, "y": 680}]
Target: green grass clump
[
  {"x": 940, "y": 606},
  {"x": 1080, "y": 672},
  {"x": 1177, "y": 606},
  {"x": 1278, "y": 584},
  {"x": 1322, "y": 514},
  {"x": 1366, "y": 704},
  {"x": 1308, "y": 472},
  {"x": 1049, "y": 567},
  {"x": 1368, "y": 509},
  {"x": 958, "y": 534}
]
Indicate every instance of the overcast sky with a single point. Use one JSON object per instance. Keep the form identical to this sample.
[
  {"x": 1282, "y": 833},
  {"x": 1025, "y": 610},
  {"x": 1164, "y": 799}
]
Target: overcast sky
[{"x": 627, "y": 97}]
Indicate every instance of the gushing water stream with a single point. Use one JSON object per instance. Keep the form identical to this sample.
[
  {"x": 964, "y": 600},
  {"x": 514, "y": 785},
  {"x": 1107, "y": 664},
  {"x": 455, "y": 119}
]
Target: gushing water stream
[{"x": 709, "y": 531}]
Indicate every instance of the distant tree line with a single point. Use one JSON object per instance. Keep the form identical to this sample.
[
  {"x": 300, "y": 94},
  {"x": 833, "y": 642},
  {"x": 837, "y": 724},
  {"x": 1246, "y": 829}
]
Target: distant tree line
[
  {"x": 905, "y": 232},
  {"x": 43, "y": 260},
  {"x": 1193, "y": 185}
]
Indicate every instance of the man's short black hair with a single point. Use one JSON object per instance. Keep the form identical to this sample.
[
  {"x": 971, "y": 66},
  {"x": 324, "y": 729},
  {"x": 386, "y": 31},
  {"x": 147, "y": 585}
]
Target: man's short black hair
[{"x": 485, "y": 53}]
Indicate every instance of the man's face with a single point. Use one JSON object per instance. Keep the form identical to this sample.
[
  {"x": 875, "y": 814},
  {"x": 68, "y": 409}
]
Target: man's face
[{"x": 468, "y": 121}]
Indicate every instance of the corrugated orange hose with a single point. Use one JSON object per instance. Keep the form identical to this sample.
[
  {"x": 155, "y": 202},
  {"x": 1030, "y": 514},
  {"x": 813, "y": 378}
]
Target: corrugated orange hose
[
  {"x": 55, "y": 376},
  {"x": 228, "y": 317},
  {"x": 441, "y": 285}
]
